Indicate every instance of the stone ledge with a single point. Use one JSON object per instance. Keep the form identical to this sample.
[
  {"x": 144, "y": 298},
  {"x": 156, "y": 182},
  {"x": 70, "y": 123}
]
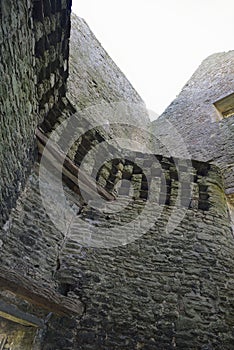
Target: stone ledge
[{"x": 43, "y": 297}]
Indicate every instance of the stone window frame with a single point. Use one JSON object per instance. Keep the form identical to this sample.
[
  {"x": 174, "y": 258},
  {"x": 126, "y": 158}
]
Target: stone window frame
[{"x": 225, "y": 106}]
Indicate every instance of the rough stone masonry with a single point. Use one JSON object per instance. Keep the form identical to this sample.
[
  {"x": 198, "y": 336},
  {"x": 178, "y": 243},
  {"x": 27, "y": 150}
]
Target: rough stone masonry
[{"x": 151, "y": 269}]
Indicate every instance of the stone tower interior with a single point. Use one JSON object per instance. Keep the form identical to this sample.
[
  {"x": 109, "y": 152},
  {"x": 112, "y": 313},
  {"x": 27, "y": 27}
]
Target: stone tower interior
[{"x": 115, "y": 232}]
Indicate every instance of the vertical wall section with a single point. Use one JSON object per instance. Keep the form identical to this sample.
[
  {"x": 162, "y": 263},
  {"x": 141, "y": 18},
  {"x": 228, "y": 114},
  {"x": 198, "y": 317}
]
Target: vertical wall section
[
  {"x": 17, "y": 100},
  {"x": 34, "y": 50},
  {"x": 52, "y": 32}
]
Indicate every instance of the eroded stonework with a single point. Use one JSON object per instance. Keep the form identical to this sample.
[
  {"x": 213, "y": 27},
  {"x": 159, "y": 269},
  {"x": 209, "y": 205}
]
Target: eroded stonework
[
  {"x": 146, "y": 262},
  {"x": 196, "y": 119}
]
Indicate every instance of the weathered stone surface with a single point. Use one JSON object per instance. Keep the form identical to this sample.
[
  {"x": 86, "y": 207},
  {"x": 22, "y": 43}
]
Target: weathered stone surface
[
  {"x": 17, "y": 101},
  {"x": 193, "y": 115},
  {"x": 154, "y": 269},
  {"x": 94, "y": 76},
  {"x": 51, "y": 20},
  {"x": 175, "y": 283},
  {"x": 99, "y": 88},
  {"x": 34, "y": 54}
]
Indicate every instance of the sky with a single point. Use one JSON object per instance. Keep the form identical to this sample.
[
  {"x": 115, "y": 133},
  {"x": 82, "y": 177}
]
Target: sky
[{"x": 158, "y": 44}]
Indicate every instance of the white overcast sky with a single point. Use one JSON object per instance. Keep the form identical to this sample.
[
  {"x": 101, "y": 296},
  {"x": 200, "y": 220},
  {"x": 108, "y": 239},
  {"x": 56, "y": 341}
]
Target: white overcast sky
[{"x": 158, "y": 44}]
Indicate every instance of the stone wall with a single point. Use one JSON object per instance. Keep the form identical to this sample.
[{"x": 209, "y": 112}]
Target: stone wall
[
  {"x": 94, "y": 76},
  {"x": 17, "y": 100},
  {"x": 29, "y": 241},
  {"x": 166, "y": 286},
  {"x": 153, "y": 268},
  {"x": 164, "y": 289},
  {"x": 52, "y": 32},
  {"x": 30, "y": 245},
  {"x": 98, "y": 88},
  {"x": 34, "y": 39},
  {"x": 195, "y": 118},
  {"x": 178, "y": 182}
]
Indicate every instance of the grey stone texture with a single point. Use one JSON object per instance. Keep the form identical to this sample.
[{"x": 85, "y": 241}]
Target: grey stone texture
[
  {"x": 154, "y": 268},
  {"x": 34, "y": 39},
  {"x": 52, "y": 32},
  {"x": 158, "y": 289},
  {"x": 195, "y": 118},
  {"x": 164, "y": 290},
  {"x": 94, "y": 76},
  {"x": 17, "y": 100},
  {"x": 98, "y": 88}
]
